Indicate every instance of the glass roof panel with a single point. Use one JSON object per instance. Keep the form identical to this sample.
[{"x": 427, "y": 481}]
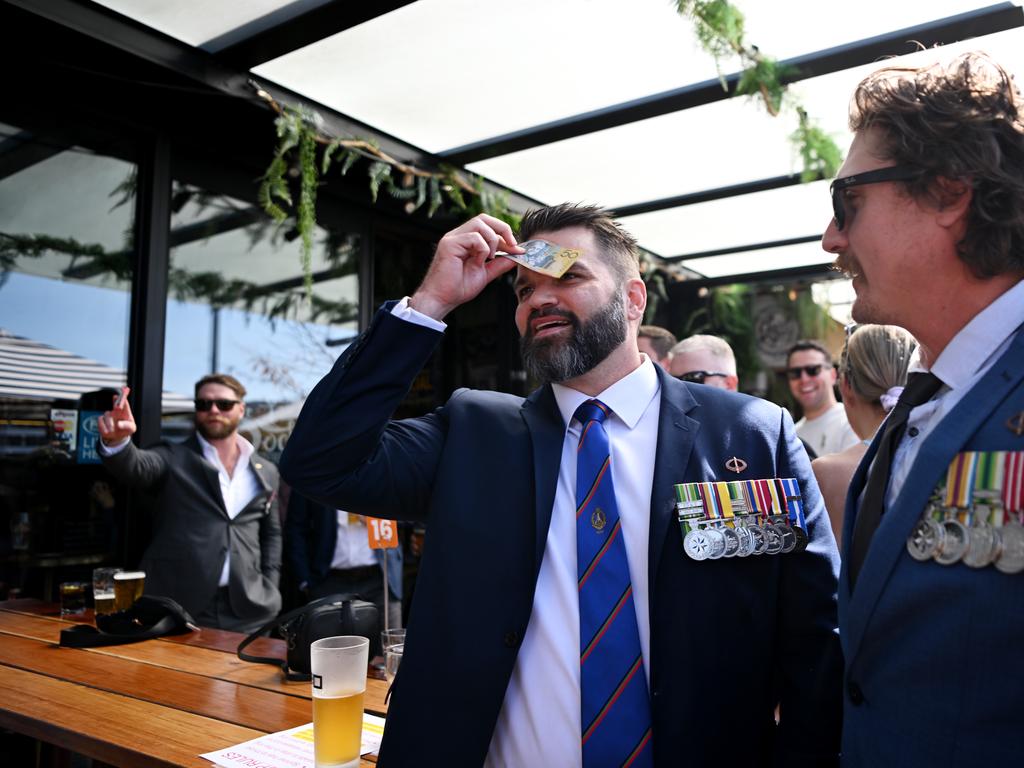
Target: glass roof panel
[
  {"x": 442, "y": 73},
  {"x": 746, "y": 220},
  {"x": 785, "y": 257},
  {"x": 222, "y": 22}
]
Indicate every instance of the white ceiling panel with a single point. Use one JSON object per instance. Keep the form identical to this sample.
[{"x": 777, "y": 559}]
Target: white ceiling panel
[
  {"x": 443, "y": 73},
  {"x": 198, "y": 22},
  {"x": 736, "y": 221},
  {"x": 788, "y": 256}
]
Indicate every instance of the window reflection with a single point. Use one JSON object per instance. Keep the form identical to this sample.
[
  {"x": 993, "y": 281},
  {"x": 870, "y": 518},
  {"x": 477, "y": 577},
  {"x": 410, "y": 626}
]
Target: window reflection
[
  {"x": 66, "y": 217},
  {"x": 238, "y": 305}
]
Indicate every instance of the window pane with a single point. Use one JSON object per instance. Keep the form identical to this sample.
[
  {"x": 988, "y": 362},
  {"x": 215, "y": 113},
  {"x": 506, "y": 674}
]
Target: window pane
[
  {"x": 66, "y": 217},
  {"x": 238, "y": 304}
]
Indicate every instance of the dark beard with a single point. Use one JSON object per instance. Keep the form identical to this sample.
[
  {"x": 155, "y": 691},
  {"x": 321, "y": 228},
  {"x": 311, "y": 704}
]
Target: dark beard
[
  {"x": 216, "y": 431},
  {"x": 590, "y": 342}
]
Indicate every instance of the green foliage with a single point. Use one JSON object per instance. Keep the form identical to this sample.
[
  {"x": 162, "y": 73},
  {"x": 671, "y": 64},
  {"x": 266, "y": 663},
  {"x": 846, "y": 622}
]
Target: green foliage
[
  {"x": 819, "y": 153},
  {"x": 718, "y": 26},
  {"x": 210, "y": 287}
]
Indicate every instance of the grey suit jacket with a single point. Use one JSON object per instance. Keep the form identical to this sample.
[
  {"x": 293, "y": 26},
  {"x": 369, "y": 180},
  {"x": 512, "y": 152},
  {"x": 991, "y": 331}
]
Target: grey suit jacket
[{"x": 192, "y": 532}]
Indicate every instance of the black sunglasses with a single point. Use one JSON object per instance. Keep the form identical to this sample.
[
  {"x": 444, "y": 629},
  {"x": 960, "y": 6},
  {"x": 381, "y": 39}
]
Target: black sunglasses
[
  {"x": 697, "y": 377},
  {"x": 202, "y": 404},
  {"x": 810, "y": 370},
  {"x": 838, "y": 186}
]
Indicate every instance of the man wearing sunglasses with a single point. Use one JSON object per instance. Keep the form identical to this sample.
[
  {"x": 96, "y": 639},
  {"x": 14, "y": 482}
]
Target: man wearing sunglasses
[
  {"x": 812, "y": 381},
  {"x": 704, "y": 359},
  {"x": 929, "y": 223},
  {"x": 216, "y": 545}
]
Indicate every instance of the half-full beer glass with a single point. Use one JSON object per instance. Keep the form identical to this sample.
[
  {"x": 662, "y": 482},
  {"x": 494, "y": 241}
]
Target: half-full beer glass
[
  {"x": 103, "y": 589},
  {"x": 338, "y": 667},
  {"x": 128, "y": 586}
]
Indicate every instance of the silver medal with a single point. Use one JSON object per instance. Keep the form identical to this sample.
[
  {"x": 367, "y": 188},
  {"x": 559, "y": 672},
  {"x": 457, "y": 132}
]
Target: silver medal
[
  {"x": 774, "y": 539},
  {"x": 983, "y": 546},
  {"x": 1011, "y": 559},
  {"x": 954, "y": 542},
  {"x": 717, "y": 541},
  {"x": 760, "y": 539},
  {"x": 732, "y": 541},
  {"x": 925, "y": 540},
  {"x": 746, "y": 541}
]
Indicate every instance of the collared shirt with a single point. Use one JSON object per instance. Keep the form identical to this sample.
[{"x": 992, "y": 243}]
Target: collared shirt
[
  {"x": 541, "y": 711},
  {"x": 352, "y": 547},
  {"x": 238, "y": 489},
  {"x": 968, "y": 356}
]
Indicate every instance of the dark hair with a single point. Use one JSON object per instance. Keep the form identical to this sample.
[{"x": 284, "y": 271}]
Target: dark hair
[
  {"x": 619, "y": 247},
  {"x": 958, "y": 122},
  {"x": 222, "y": 378},
  {"x": 662, "y": 340},
  {"x": 807, "y": 345}
]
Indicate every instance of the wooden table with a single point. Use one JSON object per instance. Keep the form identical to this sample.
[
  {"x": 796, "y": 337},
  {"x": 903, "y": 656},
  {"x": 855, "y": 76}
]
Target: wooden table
[{"x": 152, "y": 703}]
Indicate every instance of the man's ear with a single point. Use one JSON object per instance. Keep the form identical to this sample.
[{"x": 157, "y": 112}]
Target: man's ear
[
  {"x": 636, "y": 299},
  {"x": 953, "y": 198}
]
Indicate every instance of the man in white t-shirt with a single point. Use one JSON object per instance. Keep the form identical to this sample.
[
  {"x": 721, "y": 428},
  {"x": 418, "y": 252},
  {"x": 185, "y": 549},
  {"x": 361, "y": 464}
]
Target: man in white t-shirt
[{"x": 812, "y": 379}]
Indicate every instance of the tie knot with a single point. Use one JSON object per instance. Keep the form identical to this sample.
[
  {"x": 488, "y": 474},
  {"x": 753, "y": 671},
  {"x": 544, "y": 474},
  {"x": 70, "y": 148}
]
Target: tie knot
[
  {"x": 920, "y": 388},
  {"x": 592, "y": 410}
]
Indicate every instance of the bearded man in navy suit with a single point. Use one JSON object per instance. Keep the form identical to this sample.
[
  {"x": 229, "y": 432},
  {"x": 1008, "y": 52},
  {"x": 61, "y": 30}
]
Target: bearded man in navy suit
[
  {"x": 493, "y": 645},
  {"x": 929, "y": 222}
]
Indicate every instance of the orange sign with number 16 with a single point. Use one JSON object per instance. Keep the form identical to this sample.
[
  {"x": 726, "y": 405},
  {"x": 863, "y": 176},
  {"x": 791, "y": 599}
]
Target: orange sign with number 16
[{"x": 382, "y": 534}]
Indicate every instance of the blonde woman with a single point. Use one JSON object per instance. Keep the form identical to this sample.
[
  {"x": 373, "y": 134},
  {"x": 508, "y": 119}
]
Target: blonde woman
[{"x": 872, "y": 372}]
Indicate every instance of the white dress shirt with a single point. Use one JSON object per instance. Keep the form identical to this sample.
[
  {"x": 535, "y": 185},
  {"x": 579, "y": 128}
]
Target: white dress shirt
[
  {"x": 237, "y": 489},
  {"x": 541, "y": 711},
  {"x": 352, "y": 547},
  {"x": 963, "y": 362}
]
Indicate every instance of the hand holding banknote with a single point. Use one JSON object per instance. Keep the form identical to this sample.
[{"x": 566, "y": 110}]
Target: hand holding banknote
[
  {"x": 464, "y": 264},
  {"x": 544, "y": 257}
]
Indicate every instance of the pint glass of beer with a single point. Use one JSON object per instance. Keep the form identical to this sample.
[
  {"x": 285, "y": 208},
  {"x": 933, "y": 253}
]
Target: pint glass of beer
[
  {"x": 338, "y": 667},
  {"x": 128, "y": 588},
  {"x": 103, "y": 589}
]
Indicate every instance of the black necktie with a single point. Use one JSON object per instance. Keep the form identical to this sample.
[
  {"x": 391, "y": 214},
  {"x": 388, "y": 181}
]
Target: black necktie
[{"x": 920, "y": 388}]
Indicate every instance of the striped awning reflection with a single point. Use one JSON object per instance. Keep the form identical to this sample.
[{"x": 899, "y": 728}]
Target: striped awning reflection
[{"x": 36, "y": 371}]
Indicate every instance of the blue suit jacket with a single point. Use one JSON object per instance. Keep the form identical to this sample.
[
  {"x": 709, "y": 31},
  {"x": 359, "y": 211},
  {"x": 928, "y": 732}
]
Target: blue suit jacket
[
  {"x": 729, "y": 639},
  {"x": 310, "y": 535},
  {"x": 934, "y": 674}
]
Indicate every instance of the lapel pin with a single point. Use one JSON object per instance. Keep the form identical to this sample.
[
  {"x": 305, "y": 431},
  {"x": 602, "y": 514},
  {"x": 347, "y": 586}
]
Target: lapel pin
[
  {"x": 1016, "y": 424},
  {"x": 735, "y": 465}
]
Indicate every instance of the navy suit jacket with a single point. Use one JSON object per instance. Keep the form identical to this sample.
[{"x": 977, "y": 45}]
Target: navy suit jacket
[
  {"x": 934, "y": 675},
  {"x": 729, "y": 638},
  {"x": 310, "y": 535}
]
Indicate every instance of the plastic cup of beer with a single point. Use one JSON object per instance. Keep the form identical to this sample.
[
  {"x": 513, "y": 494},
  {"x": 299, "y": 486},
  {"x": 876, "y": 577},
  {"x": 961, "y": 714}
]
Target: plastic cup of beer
[
  {"x": 128, "y": 587},
  {"x": 103, "y": 589},
  {"x": 338, "y": 667},
  {"x": 72, "y": 598}
]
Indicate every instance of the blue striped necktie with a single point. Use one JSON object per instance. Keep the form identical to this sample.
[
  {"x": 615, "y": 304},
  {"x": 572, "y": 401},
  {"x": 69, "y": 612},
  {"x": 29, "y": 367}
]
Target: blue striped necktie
[{"x": 616, "y": 709}]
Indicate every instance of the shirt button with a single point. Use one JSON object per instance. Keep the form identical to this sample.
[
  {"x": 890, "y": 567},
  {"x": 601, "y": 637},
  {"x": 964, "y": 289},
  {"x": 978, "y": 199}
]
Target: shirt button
[
  {"x": 511, "y": 639},
  {"x": 855, "y": 693},
  {"x": 913, "y": 431}
]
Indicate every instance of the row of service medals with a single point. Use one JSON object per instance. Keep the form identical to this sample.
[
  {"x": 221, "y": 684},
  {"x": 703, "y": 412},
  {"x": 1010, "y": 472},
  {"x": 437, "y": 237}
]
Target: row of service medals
[
  {"x": 976, "y": 518},
  {"x": 740, "y": 518}
]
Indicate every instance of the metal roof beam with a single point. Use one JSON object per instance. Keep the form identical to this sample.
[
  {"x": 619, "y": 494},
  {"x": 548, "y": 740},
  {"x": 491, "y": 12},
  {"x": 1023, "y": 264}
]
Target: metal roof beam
[
  {"x": 745, "y": 248},
  {"x": 707, "y": 195},
  {"x": 130, "y": 36},
  {"x": 824, "y": 271},
  {"x": 983, "y": 21},
  {"x": 297, "y": 32}
]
